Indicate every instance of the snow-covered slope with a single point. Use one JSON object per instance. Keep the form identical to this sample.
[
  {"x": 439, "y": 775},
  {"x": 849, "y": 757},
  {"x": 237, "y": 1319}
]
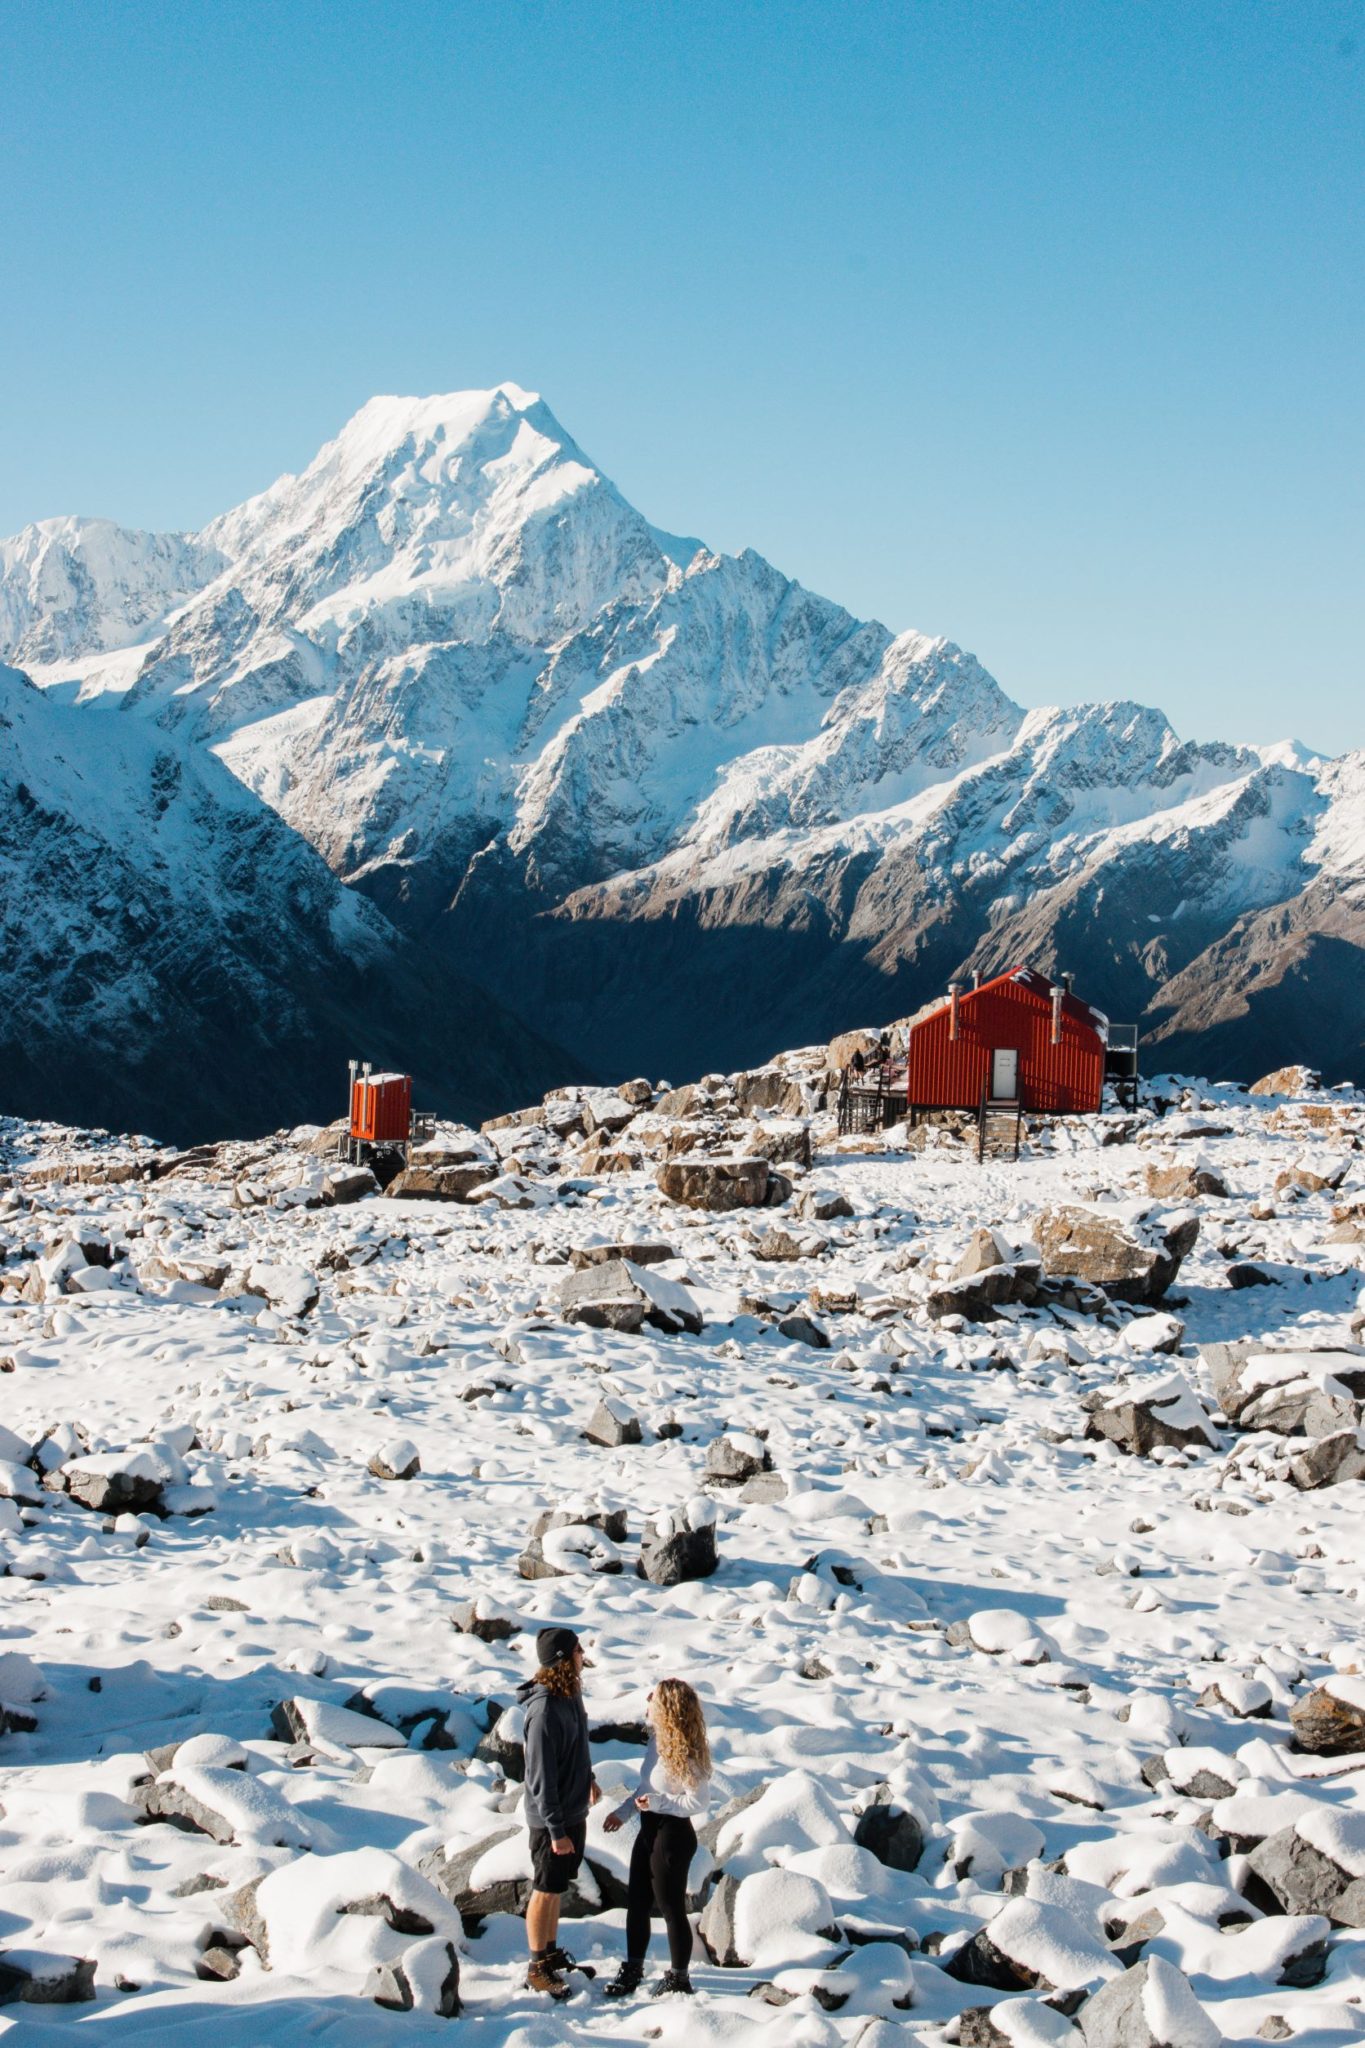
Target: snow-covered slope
[
  {"x": 73, "y": 587},
  {"x": 173, "y": 957},
  {"x": 608, "y": 767}
]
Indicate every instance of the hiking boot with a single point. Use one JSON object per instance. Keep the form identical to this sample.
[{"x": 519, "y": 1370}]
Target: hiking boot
[
  {"x": 673, "y": 1980},
  {"x": 627, "y": 1979},
  {"x": 560, "y": 1959},
  {"x": 541, "y": 1975}
]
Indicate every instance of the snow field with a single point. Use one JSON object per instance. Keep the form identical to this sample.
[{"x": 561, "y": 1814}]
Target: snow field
[{"x": 1071, "y": 1668}]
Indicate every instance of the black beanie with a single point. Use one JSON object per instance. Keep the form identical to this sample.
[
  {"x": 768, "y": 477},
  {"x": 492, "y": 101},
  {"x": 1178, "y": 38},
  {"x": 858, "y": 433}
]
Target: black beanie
[{"x": 553, "y": 1645}]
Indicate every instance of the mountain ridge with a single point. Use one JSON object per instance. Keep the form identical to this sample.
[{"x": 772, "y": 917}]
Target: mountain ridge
[{"x": 452, "y": 660}]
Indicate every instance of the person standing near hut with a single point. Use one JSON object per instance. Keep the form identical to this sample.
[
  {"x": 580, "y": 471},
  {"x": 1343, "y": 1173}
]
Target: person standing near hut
[
  {"x": 673, "y": 1793},
  {"x": 560, "y": 1788}
]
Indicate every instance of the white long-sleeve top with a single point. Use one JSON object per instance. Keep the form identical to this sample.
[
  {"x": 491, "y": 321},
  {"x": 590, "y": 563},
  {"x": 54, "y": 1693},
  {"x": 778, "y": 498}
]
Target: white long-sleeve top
[{"x": 666, "y": 1793}]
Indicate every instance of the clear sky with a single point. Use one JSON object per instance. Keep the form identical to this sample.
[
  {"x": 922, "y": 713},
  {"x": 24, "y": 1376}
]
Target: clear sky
[{"x": 1034, "y": 324}]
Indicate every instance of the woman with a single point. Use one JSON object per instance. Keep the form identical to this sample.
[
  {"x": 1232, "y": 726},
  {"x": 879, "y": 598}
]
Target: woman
[{"x": 674, "y": 1791}]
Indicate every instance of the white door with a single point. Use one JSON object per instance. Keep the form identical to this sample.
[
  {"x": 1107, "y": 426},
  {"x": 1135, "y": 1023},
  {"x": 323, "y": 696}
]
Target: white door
[{"x": 1004, "y": 1075}]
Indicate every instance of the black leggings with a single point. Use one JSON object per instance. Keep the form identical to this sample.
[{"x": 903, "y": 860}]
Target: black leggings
[{"x": 659, "y": 1864}]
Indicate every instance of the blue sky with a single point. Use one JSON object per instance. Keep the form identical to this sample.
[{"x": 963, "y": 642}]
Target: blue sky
[{"x": 1036, "y": 325}]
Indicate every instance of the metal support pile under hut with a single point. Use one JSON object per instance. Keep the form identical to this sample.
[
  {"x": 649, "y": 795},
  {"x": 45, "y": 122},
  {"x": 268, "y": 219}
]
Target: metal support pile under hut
[{"x": 1017, "y": 1044}]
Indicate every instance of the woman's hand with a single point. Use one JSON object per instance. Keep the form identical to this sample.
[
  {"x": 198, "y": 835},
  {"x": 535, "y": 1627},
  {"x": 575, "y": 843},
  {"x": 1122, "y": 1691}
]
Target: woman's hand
[
  {"x": 642, "y": 1801},
  {"x": 612, "y": 1824}
]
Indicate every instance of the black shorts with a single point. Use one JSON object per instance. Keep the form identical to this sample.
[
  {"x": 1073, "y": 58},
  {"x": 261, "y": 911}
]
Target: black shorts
[{"x": 555, "y": 1873}]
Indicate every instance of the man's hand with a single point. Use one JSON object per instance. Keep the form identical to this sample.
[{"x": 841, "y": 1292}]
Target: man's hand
[
  {"x": 594, "y": 1793},
  {"x": 612, "y": 1824},
  {"x": 561, "y": 1845},
  {"x": 642, "y": 1801}
]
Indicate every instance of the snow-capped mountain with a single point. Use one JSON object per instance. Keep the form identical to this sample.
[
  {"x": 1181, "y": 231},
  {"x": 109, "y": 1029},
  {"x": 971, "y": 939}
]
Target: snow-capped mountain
[{"x": 665, "y": 803}]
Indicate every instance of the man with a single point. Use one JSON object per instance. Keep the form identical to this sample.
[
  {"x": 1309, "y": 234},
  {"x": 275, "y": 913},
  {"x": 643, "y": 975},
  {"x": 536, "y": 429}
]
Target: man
[{"x": 560, "y": 1787}]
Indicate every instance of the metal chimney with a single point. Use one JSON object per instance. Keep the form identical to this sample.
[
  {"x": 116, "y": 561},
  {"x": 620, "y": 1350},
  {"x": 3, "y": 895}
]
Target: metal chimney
[
  {"x": 976, "y": 977},
  {"x": 955, "y": 1002},
  {"x": 1068, "y": 983},
  {"x": 1056, "y": 1013}
]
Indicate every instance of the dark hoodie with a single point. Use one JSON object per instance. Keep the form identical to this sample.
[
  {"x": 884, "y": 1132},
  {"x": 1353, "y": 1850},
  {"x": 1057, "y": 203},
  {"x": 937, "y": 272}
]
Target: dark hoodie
[{"x": 558, "y": 1763}]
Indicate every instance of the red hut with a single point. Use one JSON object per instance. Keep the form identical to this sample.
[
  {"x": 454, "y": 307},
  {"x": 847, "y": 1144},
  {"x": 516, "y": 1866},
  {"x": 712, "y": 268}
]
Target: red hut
[{"x": 1020, "y": 1039}]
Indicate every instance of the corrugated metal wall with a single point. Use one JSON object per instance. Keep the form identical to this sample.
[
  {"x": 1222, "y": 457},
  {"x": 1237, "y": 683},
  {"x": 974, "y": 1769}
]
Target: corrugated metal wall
[{"x": 1063, "y": 1079}]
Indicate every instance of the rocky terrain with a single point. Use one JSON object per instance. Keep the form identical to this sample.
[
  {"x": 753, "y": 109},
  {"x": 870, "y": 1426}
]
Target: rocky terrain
[
  {"x": 1006, "y": 1516},
  {"x": 441, "y": 742}
]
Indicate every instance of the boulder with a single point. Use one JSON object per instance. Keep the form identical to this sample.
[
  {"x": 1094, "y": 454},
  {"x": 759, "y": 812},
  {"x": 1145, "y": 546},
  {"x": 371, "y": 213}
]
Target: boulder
[
  {"x": 1154, "y": 1332},
  {"x": 323, "y": 1726},
  {"x": 890, "y": 1831},
  {"x": 718, "y": 1185},
  {"x": 1291, "y": 1080},
  {"x": 19, "y": 1483},
  {"x": 504, "y": 1744},
  {"x": 296, "y": 1915},
  {"x": 504, "y": 1884},
  {"x": 1029, "y": 1946},
  {"x": 1303, "y": 1877},
  {"x": 781, "y": 1245},
  {"x": 195, "y": 1271},
  {"x": 293, "y": 1290},
  {"x": 1330, "y": 1460},
  {"x": 680, "y": 1544},
  {"x": 396, "y": 1459},
  {"x": 984, "y": 2026},
  {"x": 1247, "y": 1373},
  {"x": 803, "y": 1330},
  {"x": 1315, "y": 1176},
  {"x": 619, "y": 1295},
  {"x": 482, "y": 1617},
  {"x": 1313, "y": 1406},
  {"x": 612, "y": 1423},
  {"x": 1166, "y": 1413},
  {"x": 346, "y": 1184},
  {"x": 516, "y": 1119},
  {"x": 37, "y": 1977},
  {"x": 441, "y": 1183},
  {"x": 978, "y": 1295},
  {"x": 766, "y": 1088},
  {"x": 783, "y": 1144},
  {"x": 562, "y": 1544},
  {"x": 717, "y": 1924},
  {"x": 735, "y": 1457},
  {"x": 1330, "y": 1720},
  {"x": 128, "y": 1482},
  {"x": 781, "y": 1916},
  {"x": 986, "y": 1249},
  {"x": 1185, "y": 1183},
  {"x": 1133, "y": 1253},
  {"x": 603, "y": 1109},
  {"x": 822, "y": 1205},
  {"x": 426, "y": 1978},
  {"x": 1150, "y": 2006},
  {"x": 225, "y": 1804},
  {"x": 841, "y": 1049}
]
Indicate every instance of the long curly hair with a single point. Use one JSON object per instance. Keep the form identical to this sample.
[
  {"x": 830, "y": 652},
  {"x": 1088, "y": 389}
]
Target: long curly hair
[
  {"x": 680, "y": 1729},
  {"x": 560, "y": 1678}
]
